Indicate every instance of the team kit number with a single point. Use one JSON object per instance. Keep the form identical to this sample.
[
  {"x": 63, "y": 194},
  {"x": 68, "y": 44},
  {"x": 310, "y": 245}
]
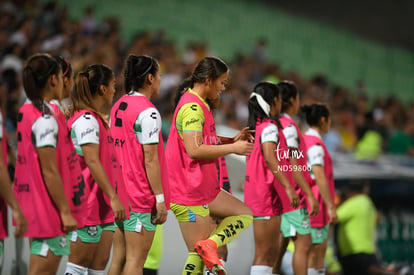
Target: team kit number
[{"x": 122, "y": 107}]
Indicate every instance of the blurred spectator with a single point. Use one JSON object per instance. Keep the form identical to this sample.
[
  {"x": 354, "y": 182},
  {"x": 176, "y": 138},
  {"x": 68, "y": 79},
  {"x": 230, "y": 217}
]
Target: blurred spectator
[
  {"x": 402, "y": 143},
  {"x": 370, "y": 144},
  {"x": 13, "y": 58},
  {"x": 259, "y": 52},
  {"x": 22, "y": 34},
  {"x": 357, "y": 220},
  {"x": 333, "y": 139},
  {"x": 88, "y": 22}
]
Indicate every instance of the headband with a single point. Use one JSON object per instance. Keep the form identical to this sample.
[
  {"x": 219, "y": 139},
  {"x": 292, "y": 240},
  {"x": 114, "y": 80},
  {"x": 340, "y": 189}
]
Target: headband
[
  {"x": 147, "y": 70},
  {"x": 262, "y": 103},
  {"x": 67, "y": 67}
]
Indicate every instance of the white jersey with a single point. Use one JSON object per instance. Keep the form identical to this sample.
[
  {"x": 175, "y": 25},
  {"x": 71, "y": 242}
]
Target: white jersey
[
  {"x": 270, "y": 134},
  {"x": 85, "y": 130},
  {"x": 45, "y": 130},
  {"x": 147, "y": 126},
  {"x": 292, "y": 136},
  {"x": 315, "y": 153}
]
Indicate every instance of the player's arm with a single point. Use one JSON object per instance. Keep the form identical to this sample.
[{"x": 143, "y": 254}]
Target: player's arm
[
  {"x": 86, "y": 129},
  {"x": 192, "y": 125},
  {"x": 150, "y": 125},
  {"x": 269, "y": 140},
  {"x": 323, "y": 186},
  {"x": 45, "y": 131},
  {"x": 292, "y": 139}
]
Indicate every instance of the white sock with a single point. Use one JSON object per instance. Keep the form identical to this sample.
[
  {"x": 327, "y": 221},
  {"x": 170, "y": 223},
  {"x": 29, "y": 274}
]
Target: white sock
[
  {"x": 260, "y": 270},
  {"x": 95, "y": 272},
  {"x": 320, "y": 271},
  {"x": 312, "y": 271},
  {"x": 74, "y": 269}
]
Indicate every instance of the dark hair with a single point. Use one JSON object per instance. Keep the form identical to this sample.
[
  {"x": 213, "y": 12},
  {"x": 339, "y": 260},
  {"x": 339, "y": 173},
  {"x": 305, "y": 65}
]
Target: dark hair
[
  {"x": 87, "y": 85},
  {"x": 269, "y": 91},
  {"x": 65, "y": 65},
  {"x": 136, "y": 71},
  {"x": 287, "y": 91},
  {"x": 357, "y": 186},
  {"x": 314, "y": 113},
  {"x": 208, "y": 67},
  {"x": 37, "y": 71}
]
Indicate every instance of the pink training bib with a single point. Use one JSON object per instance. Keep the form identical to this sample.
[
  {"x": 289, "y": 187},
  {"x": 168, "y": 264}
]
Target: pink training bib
[
  {"x": 263, "y": 193},
  {"x": 99, "y": 206},
  {"x": 301, "y": 157},
  {"x": 322, "y": 218},
  {"x": 192, "y": 181},
  {"x": 42, "y": 215},
  {"x": 123, "y": 116}
]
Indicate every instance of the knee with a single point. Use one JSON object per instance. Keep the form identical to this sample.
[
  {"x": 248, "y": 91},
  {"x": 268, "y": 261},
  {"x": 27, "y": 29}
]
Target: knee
[
  {"x": 247, "y": 211},
  {"x": 304, "y": 245}
]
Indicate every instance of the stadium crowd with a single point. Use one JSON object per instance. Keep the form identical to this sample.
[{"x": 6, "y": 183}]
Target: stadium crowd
[
  {"x": 361, "y": 125},
  {"x": 377, "y": 125}
]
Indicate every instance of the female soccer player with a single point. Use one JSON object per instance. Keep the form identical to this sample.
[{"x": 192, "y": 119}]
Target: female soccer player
[
  {"x": 295, "y": 224},
  {"x": 192, "y": 152},
  {"x": 136, "y": 129},
  {"x": 267, "y": 189},
  {"x": 108, "y": 202},
  {"x": 48, "y": 181},
  {"x": 68, "y": 76},
  {"x": 321, "y": 171}
]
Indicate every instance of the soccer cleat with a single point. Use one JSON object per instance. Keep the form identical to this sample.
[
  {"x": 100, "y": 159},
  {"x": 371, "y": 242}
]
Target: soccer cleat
[{"x": 207, "y": 249}]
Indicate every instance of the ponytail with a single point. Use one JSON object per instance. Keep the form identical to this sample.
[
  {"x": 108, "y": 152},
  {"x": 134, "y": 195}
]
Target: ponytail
[
  {"x": 37, "y": 71},
  {"x": 87, "y": 85},
  {"x": 182, "y": 88}
]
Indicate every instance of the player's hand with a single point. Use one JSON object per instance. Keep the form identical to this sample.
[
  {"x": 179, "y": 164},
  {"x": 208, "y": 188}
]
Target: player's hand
[
  {"x": 293, "y": 197},
  {"x": 118, "y": 208},
  {"x": 314, "y": 205},
  {"x": 68, "y": 221},
  {"x": 21, "y": 223},
  {"x": 332, "y": 215},
  {"x": 242, "y": 147},
  {"x": 161, "y": 216},
  {"x": 245, "y": 134}
]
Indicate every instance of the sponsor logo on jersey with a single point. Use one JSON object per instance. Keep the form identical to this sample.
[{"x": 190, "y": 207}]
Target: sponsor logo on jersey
[{"x": 192, "y": 121}]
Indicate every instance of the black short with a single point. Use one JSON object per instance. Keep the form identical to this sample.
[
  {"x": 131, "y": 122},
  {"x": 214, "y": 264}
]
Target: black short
[{"x": 358, "y": 264}]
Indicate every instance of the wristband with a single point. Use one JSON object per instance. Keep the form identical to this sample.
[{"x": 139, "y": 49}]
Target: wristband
[{"x": 159, "y": 198}]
